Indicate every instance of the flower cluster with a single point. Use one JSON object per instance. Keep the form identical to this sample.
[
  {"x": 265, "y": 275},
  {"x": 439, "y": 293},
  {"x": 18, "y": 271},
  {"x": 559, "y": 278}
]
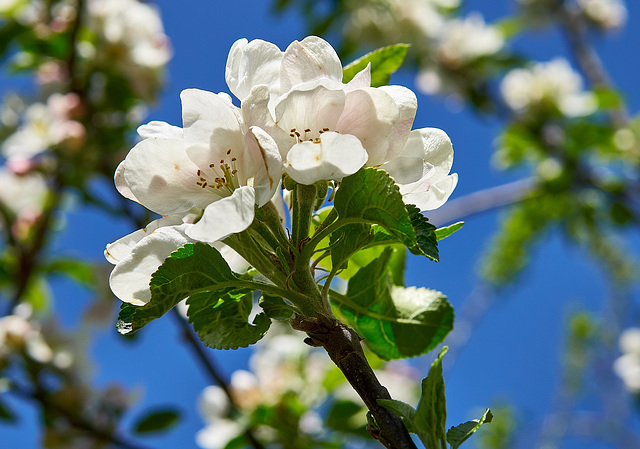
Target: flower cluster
[
  {"x": 283, "y": 367},
  {"x": 44, "y": 126},
  {"x": 444, "y": 44},
  {"x": 281, "y": 364},
  {"x": 296, "y": 117},
  {"x": 130, "y": 34},
  {"x": 545, "y": 86},
  {"x": 605, "y": 14}
]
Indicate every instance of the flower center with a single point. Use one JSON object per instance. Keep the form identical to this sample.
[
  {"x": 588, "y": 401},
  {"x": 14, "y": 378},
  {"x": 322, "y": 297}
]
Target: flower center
[
  {"x": 307, "y": 135},
  {"x": 225, "y": 172}
]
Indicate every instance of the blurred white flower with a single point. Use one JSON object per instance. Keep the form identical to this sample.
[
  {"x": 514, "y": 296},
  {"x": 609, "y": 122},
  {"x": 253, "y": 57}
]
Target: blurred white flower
[
  {"x": 18, "y": 333},
  {"x": 627, "y": 366},
  {"x": 130, "y": 35},
  {"x": 135, "y": 26},
  {"x": 606, "y": 14},
  {"x": 463, "y": 40},
  {"x": 542, "y": 85},
  {"x": 218, "y": 433},
  {"x": 45, "y": 125}
]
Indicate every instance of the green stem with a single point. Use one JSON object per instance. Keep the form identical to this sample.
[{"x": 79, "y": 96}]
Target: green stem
[{"x": 304, "y": 199}]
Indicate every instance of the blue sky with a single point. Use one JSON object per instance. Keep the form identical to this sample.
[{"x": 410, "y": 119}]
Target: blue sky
[{"x": 515, "y": 352}]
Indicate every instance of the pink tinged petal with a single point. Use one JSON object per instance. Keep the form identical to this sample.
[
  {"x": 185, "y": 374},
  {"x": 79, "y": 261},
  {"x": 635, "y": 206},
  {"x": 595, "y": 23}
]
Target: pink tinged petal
[
  {"x": 362, "y": 79},
  {"x": 315, "y": 109},
  {"x": 312, "y": 59},
  {"x": 409, "y": 166},
  {"x": 334, "y": 156},
  {"x": 227, "y": 216},
  {"x": 438, "y": 150},
  {"x": 121, "y": 184},
  {"x": 431, "y": 196},
  {"x": 255, "y": 111},
  {"x": 371, "y": 115},
  {"x": 122, "y": 247},
  {"x": 407, "y": 105},
  {"x": 130, "y": 278},
  {"x": 251, "y": 64},
  {"x": 267, "y": 178},
  {"x": 162, "y": 177},
  {"x": 159, "y": 129}
]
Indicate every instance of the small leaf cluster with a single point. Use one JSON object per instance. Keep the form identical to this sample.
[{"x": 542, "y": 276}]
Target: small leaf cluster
[{"x": 428, "y": 420}]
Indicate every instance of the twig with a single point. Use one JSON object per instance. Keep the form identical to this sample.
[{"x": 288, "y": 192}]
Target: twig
[
  {"x": 481, "y": 201},
  {"x": 73, "y": 418},
  {"x": 209, "y": 367},
  {"x": 588, "y": 60}
]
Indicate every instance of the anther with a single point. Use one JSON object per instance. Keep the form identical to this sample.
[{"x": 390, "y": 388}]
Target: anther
[{"x": 229, "y": 151}]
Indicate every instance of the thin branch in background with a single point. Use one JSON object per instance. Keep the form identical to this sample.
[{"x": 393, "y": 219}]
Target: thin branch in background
[
  {"x": 211, "y": 369},
  {"x": 481, "y": 201},
  {"x": 588, "y": 60},
  {"x": 73, "y": 418}
]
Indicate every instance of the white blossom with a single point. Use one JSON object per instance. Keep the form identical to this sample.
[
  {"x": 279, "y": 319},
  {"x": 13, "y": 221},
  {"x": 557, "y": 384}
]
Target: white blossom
[
  {"x": 45, "y": 125},
  {"x": 324, "y": 129},
  {"x": 552, "y": 83},
  {"x": 607, "y": 14},
  {"x": 463, "y": 40},
  {"x": 212, "y": 168},
  {"x": 627, "y": 366}
]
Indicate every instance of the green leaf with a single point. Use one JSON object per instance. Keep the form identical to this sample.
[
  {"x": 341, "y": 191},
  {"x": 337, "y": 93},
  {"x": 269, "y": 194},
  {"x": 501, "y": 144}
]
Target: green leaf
[
  {"x": 384, "y": 62},
  {"x": 446, "y": 231},
  {"x": 426, "y": 240},
  {"x": 189, "y": 270},
  {"x": 431, "y": 415},
  {"x": 402, "y": 409},
  {"x": 346, "y": 241},
  {"x": 396, "y": 322},
  {"x": 159, "y": 420},
  {"x": 80, "y": 271},
  {"x": 275, "y": 307},
  {"x": 221, "y": 320},
  {"x": 607, "y": 98},
  {"x": 371, "y": 196},
  {"x": 460, "y": 433},
  {"x": 6, "y": 414},
  {"x": 347, "y": 417}
]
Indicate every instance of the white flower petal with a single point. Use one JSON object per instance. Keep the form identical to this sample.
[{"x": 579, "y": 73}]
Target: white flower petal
[
  {"x": 333, "y": 157},
  {"x": 122, "y": 247},
  {"x": 121, "y": 184},
  {"x": 251, "y": 64},
  {"x": 161, "y": 176},
  {"x": 211, "y": 125},
  {"x": 255, "y": 110},
  {"x": 159, "y": 129},
  {"x": 431, "y": 196},
  {"x": 267, "y": 179},
  {"x": 312, "y": 59},
  {"x": 371, "y": 115},
  {"x": 315, "y": 109},
  {"x": 130, "y": 278},
  {"x": 225, "y": 217},
  {"x": 362, "y": 79}
]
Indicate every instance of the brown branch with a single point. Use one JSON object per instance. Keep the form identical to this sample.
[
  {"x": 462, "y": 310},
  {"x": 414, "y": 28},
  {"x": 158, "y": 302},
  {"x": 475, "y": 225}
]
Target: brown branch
[
  {"x": 588, "y": 60},
  {"x": 212, "y": 370},
  {"x": 73, "y": 418},
  {"x": 343, "y": 346}
]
